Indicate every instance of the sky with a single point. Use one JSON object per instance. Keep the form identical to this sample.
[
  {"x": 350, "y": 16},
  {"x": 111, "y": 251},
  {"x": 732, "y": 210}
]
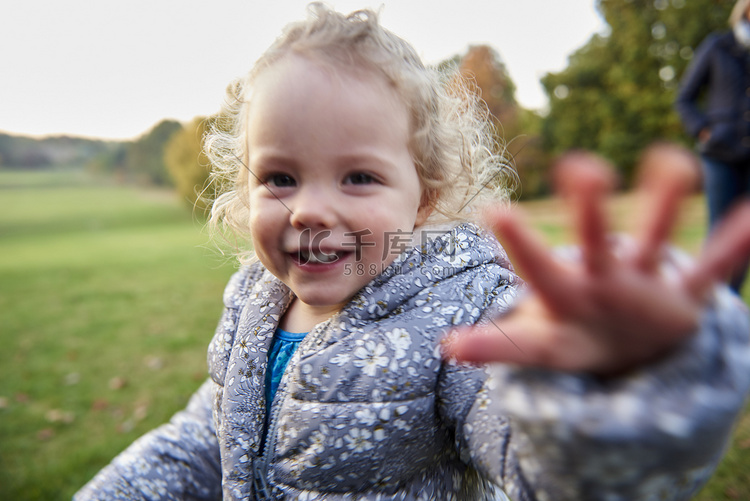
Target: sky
[{"x": 113, "y": 69}]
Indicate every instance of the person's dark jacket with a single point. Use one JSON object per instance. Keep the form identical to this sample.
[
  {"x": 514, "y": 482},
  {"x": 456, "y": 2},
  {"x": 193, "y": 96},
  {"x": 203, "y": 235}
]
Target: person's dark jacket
[{"x": 721, "y": 67}]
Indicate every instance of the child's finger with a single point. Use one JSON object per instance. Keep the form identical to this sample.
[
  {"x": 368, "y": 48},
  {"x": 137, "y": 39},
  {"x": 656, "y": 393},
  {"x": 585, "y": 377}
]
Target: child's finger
[
  {"x": 668, "y": 173},
  {"x": 585, "y": 180},
  {"x": 484, "y": 344},
  {"x": 727, "y": 247},
  {"x": 519, "y": 341},
  {"x": 531, "y": 257}
]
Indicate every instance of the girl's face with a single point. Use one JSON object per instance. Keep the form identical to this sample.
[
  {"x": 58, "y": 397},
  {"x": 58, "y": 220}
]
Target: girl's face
[{"x": 332, "y": 183}]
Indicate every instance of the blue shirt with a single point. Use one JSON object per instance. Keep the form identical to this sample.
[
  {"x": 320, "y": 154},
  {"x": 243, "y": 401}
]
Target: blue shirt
[{"x": 283, "y": 346}]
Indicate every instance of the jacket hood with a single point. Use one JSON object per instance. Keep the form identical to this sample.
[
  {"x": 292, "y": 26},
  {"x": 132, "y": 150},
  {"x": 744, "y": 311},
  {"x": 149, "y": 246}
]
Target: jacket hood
[{"x": 440, "y": 255}]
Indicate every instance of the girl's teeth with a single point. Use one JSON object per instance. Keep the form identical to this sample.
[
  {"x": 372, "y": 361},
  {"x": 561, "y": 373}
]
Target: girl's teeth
[{"x": 317, "y": 257}]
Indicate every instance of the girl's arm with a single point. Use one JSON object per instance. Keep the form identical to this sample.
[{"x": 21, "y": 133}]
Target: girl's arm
[
  {"x": 177, "y": 461},
  {"x": 657, "y": 432},
  {"x": 622, "y": 373}
]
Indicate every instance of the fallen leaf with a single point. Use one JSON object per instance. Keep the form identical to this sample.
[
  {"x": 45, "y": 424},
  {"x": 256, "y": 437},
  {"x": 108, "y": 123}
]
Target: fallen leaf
[
  {"x": 154, "y": 363},
  {"x": 99, "y": 404},
  {"x": 732, "y": 493},
  {"x": 117, "y": 383},
  {"x": 45, "y": 434},
  {"x": 140, "y": 412},
  {"x": 72, "y": 378},
  {"x": 126, "y": 426},
  {"x": 59, "y": 416},
  {"x": 53, "y": 416}
]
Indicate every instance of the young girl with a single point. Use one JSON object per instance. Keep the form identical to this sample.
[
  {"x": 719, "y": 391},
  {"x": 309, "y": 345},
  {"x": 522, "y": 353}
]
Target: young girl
[{"x": 355, "y": 171}]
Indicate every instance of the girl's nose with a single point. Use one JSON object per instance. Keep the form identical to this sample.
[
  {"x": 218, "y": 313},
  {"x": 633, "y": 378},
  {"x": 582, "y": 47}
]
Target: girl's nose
[{"x": 313, "y": 208}]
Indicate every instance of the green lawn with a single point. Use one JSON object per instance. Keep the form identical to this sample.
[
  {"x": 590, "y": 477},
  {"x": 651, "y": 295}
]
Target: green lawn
[{"x": 109, "y": 296}]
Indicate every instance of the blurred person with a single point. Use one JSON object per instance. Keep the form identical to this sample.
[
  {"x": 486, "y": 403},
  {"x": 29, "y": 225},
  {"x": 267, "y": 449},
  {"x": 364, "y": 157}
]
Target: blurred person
[{"x": 714, "y": 104}]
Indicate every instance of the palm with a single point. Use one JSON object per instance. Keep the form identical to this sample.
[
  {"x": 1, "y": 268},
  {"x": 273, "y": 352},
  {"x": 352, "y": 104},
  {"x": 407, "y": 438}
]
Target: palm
[{"x": 619, "y": 305}]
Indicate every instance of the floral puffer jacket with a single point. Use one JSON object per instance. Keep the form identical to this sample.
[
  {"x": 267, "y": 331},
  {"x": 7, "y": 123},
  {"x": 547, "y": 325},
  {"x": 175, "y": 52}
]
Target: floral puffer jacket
[{"x": 367, "y": 409}]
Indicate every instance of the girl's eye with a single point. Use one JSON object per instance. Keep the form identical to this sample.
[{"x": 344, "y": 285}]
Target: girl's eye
[
  {"x": 360, "y": 178},
  {"x": 281, "y": 180}
]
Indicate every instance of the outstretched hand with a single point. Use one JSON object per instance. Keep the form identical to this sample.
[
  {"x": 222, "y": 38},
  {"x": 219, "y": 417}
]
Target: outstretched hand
[{"x": 615, "y": 309}]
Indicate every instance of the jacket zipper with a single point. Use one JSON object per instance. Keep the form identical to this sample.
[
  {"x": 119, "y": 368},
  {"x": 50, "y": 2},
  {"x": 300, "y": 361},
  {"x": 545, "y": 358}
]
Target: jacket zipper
[{"x": 260, "y": 468}]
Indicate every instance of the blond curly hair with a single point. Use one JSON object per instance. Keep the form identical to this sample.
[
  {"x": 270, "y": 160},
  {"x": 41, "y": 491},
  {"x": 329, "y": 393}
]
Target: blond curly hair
[{"x": 453, "y": 144}]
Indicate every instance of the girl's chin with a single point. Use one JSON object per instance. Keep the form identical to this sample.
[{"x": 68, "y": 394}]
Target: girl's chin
[
  {"x": 315, "y": 302},
  {"x": 325, "y": 296}
]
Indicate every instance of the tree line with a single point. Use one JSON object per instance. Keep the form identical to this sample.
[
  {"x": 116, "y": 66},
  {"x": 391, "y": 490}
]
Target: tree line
[
  {"x": 31, "y": 153},
  {"x": 615, "y": 97},
  {"x": 617, "y": 93}
]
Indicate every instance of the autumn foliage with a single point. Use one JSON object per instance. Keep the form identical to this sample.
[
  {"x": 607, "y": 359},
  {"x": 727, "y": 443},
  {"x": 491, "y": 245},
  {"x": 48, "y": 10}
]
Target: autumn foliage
[{"x": 485, "y": 74}]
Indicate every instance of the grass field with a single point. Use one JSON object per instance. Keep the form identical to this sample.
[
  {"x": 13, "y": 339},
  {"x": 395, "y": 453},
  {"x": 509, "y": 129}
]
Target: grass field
[{"x": 109, "y": 296}]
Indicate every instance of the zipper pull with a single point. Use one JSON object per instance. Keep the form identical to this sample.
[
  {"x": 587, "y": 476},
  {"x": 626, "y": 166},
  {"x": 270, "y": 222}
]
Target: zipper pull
[{"x": 260, "y": 485}]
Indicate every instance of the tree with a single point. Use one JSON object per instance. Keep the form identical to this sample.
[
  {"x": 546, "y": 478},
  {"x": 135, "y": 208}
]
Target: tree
[
  {"x": 516, "y": 128},
  {"x": 489, "y": 78},
  {"x": 51, "y": 151},
  {"x": 616, "y": 95},
  {"x": 188, "y": 166},
  {"x": 144, "y": 160},
  {"x": 110, "y": 162}
]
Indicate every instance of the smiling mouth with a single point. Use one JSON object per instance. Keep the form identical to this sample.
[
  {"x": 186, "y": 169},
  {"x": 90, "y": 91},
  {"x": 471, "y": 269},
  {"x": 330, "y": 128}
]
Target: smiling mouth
[{"x": 313, "y": 257}]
